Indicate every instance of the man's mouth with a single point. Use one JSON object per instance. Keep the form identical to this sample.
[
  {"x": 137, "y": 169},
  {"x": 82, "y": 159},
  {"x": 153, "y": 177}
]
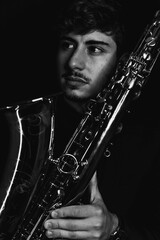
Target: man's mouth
[{"x": 75, "y": 79}]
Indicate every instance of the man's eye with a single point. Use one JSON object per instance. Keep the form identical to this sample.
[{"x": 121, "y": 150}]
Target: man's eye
[
  {"x": 95, "y": 50},
  {"x": 65, "y": 45}
]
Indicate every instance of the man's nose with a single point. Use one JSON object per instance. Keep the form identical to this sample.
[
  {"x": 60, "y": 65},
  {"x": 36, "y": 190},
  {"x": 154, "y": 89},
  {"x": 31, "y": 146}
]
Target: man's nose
[{"x": 77, "y": 60}]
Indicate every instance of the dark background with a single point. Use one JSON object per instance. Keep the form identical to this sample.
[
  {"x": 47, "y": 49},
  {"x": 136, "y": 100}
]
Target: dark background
[{"x": 27, "y": 48}]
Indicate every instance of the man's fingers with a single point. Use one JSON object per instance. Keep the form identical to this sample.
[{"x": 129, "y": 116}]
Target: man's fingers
[
  {"x": 63, "y": 234},
  {"x": 70, "y": 224},
  {"x": 77, "y": 211}
]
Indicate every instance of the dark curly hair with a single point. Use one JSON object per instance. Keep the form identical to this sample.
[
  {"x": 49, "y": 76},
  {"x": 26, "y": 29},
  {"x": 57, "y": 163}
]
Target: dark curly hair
[{"x": 83, "y": 16}]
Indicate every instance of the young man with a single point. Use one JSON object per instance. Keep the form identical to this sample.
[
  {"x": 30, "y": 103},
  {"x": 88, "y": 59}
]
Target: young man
[
  {"x": 86, "y": 57},
  {"x": 120, "y": 204}
]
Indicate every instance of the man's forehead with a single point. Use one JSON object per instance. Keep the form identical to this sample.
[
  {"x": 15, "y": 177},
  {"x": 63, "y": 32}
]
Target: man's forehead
[{"x": 94, "y": 35}]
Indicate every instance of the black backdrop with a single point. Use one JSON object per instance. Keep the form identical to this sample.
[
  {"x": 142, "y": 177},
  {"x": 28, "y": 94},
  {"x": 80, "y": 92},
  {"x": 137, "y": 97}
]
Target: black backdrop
[{"x": 27, "y": 48}]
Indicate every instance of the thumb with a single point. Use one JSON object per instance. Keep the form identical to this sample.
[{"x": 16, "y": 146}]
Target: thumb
[{"x": 95, "y": 195}]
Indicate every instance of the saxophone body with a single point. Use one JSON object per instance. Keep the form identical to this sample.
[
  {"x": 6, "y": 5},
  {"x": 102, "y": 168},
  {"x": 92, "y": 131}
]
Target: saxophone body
[{"x": 62, "y": 181}]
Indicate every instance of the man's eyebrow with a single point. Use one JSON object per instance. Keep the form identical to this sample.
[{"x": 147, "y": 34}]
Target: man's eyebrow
[
  {"x": 97, "y": 42},
  {"x": 66, "y": 38},
  {"x": 88, "y": 42}
]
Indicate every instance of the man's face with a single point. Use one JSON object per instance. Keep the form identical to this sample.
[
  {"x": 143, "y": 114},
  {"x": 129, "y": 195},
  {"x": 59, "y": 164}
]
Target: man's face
[{"x": 84, "y": 63}]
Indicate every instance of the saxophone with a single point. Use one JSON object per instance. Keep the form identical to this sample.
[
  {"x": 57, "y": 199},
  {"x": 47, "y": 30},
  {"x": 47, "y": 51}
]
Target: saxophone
[{"x": 63, "y": 181}]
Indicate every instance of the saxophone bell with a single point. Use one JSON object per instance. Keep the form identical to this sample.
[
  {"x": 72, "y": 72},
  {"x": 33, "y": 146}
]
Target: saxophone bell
[{"x": 25, "y": 136}]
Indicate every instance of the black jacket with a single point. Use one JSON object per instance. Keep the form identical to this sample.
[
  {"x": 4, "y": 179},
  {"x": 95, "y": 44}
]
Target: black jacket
[{"x": 129, "y": 180}]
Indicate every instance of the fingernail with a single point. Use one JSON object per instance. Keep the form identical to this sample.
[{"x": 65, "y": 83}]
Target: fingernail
[
  {"x": 49, "y": 233},
  {"x": 54, "y": 214},
  {"x": 48, "y": 225}
]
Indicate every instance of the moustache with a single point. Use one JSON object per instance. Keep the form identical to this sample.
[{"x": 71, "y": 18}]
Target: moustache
[{"x": 77, "y": 76}]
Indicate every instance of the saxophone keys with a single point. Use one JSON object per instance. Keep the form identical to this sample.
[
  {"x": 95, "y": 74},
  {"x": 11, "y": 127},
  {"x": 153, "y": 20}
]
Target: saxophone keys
[
  {"x": 60, "y": 192},
  {"x": 84, "y": 163},
  {"x": 107, "y": 153},
  {"x": 75, "y": 176}
]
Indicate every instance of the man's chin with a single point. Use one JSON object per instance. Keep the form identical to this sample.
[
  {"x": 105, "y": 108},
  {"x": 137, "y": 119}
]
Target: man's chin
[{"x": 75, "y": 97}]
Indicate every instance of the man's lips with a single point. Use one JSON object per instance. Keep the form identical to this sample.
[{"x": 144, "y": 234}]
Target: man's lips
[{"x": 75, "y": 79}]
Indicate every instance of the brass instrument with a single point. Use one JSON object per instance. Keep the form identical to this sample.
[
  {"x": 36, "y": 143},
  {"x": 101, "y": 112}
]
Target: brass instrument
[{"x": 60, "y": 182}]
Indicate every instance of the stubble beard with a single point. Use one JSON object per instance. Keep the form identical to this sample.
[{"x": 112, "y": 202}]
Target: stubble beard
[{"x": 75, "y": 98}]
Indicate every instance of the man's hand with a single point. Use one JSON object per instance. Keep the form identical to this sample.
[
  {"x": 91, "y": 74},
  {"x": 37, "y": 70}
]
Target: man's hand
[{"x": 91, "y": 221}]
